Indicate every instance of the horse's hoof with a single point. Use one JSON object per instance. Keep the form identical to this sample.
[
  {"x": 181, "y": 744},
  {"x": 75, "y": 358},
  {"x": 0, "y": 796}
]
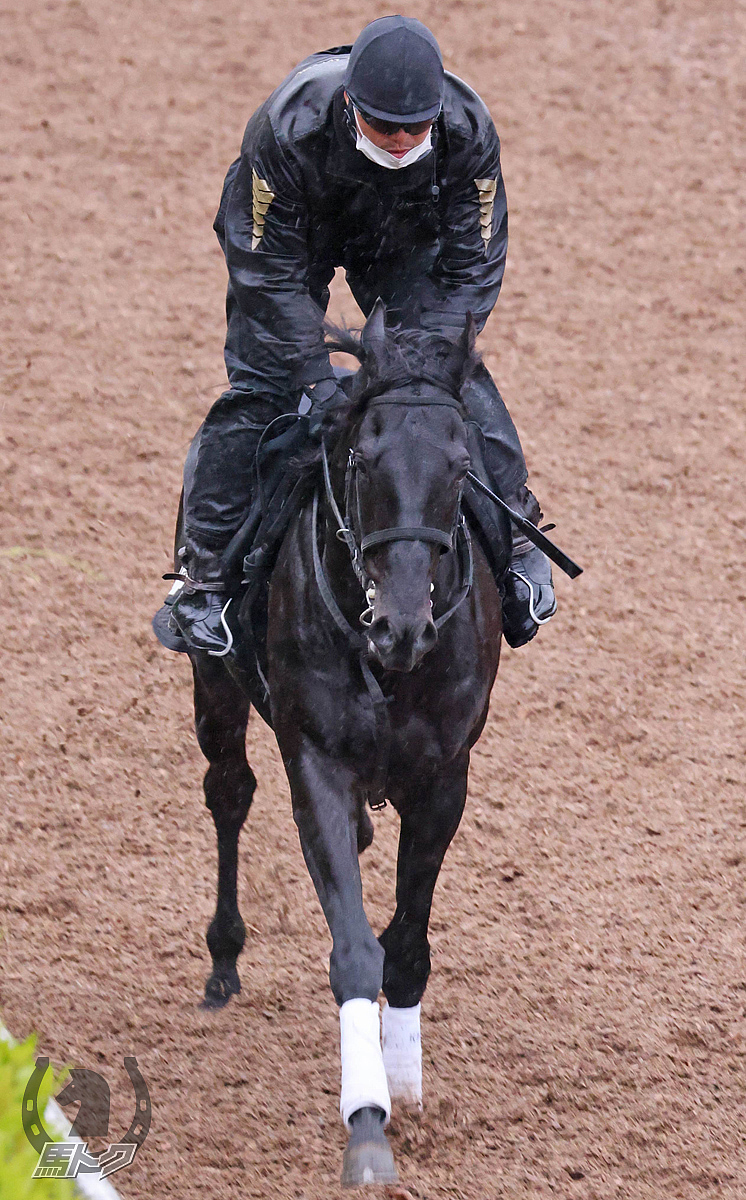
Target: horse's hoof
[
  {"x": 370, "y": 1162},
  {"x": 367, "y": 1156},
  {"x": 219, "y": 989},
  {"x": 213, "y": 1003}
]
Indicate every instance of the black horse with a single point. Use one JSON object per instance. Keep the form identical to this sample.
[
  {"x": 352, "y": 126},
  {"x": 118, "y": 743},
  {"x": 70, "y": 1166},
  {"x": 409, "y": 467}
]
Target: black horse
[{"x": 383, "y": 703}]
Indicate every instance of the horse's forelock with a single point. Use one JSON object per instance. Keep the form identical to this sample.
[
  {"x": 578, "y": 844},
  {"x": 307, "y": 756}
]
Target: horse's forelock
[
  {"x": 406, "y": 353},
  {"x": 410, "y": 353}
]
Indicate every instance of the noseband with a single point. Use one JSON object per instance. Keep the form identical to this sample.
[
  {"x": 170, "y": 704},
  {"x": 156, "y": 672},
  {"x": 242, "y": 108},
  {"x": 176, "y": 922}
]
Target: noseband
[{"x": 396, "y": 533}]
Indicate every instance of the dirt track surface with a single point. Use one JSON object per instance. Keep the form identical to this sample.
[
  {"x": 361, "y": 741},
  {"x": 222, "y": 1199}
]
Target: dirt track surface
[{"x": 584, "y": 1024}]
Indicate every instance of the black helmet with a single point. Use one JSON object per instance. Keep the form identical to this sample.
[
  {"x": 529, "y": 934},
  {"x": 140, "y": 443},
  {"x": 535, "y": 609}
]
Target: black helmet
[{"x": 395, "y": 71}]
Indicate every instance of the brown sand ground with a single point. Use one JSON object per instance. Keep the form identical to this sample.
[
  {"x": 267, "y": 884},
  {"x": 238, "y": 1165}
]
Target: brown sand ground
[{"x": 584, "y": 1023}]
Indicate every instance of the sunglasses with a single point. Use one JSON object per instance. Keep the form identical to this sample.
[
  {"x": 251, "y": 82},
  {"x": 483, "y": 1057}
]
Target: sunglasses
[{"x": 390, "y": 127}]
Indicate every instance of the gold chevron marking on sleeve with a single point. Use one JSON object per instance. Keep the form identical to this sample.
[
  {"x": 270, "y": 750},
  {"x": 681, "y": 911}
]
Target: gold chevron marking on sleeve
[
  {"x": 486, "y": 189},
  {"x": 261, "y": 198}
]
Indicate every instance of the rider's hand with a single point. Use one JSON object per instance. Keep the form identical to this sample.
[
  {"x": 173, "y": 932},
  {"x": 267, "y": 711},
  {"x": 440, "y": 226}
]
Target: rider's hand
[{"x": 322, "y": 397}]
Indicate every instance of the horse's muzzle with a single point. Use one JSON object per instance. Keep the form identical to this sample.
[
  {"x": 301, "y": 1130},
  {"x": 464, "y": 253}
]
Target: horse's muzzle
[{"x": 401, "y": 643}]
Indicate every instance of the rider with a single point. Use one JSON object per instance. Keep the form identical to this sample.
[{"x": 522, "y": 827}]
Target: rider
[{"x": 371, "y": 158}]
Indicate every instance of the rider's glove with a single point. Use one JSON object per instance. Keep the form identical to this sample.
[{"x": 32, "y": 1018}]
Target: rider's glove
[{"x": 320, "y": 398}]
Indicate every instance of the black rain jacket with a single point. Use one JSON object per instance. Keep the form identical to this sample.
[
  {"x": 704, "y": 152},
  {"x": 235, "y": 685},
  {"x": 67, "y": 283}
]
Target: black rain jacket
[{"x": 302, "y": 200}]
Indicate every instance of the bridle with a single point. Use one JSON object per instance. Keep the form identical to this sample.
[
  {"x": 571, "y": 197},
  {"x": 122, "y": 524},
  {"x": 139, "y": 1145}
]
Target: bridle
[
  {"x": 350, "y": 526},
  {"x": 396, "y": 533}
]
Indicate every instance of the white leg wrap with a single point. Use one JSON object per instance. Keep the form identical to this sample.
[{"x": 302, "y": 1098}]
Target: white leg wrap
[
  {"x": 363, "y": 1076},
  {"x": 402, "y": 1053}
]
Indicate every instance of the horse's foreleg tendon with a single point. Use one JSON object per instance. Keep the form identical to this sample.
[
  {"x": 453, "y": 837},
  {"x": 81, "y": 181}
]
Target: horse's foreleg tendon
[{"x": 430, "y": 814}]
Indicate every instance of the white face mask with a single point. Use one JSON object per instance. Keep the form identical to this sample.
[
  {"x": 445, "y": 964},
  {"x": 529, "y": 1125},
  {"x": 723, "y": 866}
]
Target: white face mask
[{"x": 383, "y": 158}]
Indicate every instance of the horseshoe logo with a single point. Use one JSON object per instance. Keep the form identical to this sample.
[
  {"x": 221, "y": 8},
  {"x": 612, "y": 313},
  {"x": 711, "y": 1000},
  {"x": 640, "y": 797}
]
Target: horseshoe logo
[
  {"x": 33, "y": 1126},
  {"x": 140, "y": 1127}
]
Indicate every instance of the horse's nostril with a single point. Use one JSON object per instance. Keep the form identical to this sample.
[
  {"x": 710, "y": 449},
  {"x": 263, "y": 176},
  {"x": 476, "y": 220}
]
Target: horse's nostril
[
  {"x": 381, "y": 634},
  {"x": 401, "y": 648},
  {"x": 426, "y": 639}
]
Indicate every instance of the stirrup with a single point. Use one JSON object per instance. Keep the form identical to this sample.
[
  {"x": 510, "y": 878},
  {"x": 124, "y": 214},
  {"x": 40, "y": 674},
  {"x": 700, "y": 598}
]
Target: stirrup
[
  {"x": 228, "y": 634},
  {"x": 181, "y": 580},
  {"x": 532, "y": 599}
]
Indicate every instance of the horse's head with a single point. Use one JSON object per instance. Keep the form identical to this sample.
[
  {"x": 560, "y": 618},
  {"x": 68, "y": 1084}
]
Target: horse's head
[{"x": 407, "y": 461}]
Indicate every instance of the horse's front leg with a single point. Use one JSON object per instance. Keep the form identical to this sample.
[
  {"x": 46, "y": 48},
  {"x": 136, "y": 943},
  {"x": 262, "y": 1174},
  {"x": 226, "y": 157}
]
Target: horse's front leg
[
  {"x": 329, "y": 813},
  {"x": 430, "y": 812},
  {"x": 221, "y": 714}
]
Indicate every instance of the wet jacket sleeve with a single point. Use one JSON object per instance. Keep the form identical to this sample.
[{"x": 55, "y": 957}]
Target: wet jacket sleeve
[
  {"x": 468, "y": 271},
  {"x": 277, "y": 339}
]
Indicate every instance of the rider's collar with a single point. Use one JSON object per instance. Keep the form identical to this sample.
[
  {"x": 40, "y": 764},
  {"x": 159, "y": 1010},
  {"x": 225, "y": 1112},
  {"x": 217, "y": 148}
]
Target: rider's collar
[{"x": 382, "y": 158}]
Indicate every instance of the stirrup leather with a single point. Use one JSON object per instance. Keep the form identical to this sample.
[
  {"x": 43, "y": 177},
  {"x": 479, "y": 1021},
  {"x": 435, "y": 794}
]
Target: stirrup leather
[{"x": 196, "y": 585}]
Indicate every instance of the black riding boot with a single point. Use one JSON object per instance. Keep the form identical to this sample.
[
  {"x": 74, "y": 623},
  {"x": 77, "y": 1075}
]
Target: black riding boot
[
  {"x": 198, "y": 608},
  {"x": 529, "y": 599},
  {"x": 218, "y": 480}
]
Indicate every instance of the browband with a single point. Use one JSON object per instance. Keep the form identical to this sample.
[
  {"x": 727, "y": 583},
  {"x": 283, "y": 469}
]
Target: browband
[{"x": 419, "y": 391}]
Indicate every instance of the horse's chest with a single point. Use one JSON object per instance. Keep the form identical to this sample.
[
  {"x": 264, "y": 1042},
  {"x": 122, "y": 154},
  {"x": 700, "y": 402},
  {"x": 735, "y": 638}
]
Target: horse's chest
[{"x": 422, "y": 742}]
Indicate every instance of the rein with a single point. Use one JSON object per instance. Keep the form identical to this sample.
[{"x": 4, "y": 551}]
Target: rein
[{"x": 377, "y": 794}]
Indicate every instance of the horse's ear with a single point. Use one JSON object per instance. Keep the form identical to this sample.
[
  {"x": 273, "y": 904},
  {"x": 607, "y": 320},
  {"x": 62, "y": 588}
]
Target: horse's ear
[{"x": 373, "y": 337}]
